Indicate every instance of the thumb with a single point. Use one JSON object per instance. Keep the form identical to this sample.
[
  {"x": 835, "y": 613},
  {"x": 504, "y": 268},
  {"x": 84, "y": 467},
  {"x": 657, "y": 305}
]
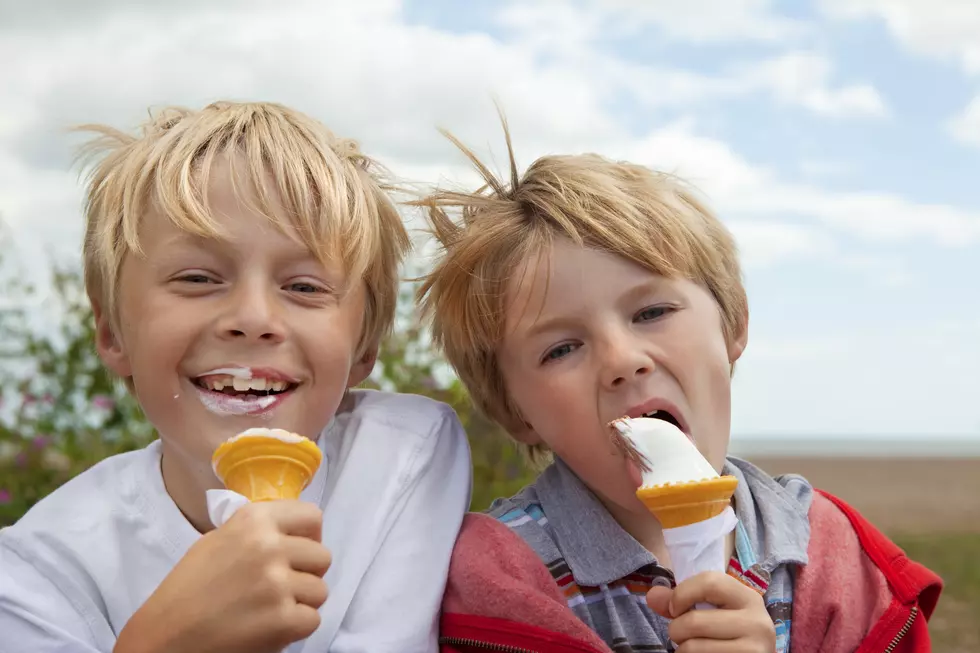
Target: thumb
[{"x": 658, "y": 598}]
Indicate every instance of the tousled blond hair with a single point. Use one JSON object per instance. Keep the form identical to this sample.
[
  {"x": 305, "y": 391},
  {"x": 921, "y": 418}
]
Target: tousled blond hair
[
  {"x": 647, "y": 217},
  {"x": 331, "y": 194}
]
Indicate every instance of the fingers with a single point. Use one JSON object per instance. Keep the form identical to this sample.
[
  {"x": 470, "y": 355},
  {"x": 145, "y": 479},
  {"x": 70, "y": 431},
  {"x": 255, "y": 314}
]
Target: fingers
[
  {"x": 716, "y": 588},
  {"x": 658, "y": 598},
  {"x": 307, "y": 556},
  {"x": 719, "y": 646},
  {"x": 288, "y": 517},
  {"x": 302, "y": 620},
  {"x": 297, "y": 518},
  {"x": 721, "y": 625},
  {"x": 308, "y": 590}
]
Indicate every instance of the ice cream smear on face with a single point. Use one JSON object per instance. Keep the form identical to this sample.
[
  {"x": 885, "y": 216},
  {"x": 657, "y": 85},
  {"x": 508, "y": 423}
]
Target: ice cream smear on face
[
  {"x": 670, "y": 455},
  {"x": 237, "y": 391}
]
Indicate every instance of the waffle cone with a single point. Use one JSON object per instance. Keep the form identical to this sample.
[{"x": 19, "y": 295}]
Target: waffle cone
[
  {"x": 264, "y": 468},
  {"x": 682, "y": 504}
]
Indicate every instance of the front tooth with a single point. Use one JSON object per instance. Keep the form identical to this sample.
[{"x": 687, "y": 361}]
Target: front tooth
[
  {"x": 241, "y": 385},
  {"x": 257, "y": 384}
]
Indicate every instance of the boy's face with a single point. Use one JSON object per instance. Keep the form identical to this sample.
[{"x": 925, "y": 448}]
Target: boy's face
[
  {"x": 592, "y": 337},
  {"x": 198, "y": 314}
]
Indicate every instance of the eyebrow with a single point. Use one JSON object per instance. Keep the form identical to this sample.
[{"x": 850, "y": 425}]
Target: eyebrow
[
  {"x": 222, "y": 246},
  {"x": 560, "y": 322}
]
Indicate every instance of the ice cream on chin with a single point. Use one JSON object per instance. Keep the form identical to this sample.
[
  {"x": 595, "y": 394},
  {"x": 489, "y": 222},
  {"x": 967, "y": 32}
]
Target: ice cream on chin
[
  {"x": 267, "y": 464},
  {"x": 678, "y": 486}
]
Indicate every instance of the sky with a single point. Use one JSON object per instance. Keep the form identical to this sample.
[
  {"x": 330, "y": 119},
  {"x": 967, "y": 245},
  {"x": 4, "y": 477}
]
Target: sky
[{"x": 839, "y": 140}]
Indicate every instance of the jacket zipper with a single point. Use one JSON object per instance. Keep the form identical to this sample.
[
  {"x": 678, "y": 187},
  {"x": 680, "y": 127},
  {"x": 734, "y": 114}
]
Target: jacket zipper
[
  {"x": 904, "y": 631},
  {"x": 486, "y": 646},
  {"x": 501, "y": 648}
]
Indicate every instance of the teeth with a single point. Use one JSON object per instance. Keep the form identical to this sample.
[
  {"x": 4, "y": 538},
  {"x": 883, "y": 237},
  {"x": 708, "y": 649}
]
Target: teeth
[{"x": 219, "y": 383}]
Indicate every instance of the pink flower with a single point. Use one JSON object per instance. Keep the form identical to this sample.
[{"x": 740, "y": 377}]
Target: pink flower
[
  {"x": 103, "y": 402},
  {"x": 4, "y": 496},
  {"x": 20, "y": 460},
  {"x": 41, "y": 441}
]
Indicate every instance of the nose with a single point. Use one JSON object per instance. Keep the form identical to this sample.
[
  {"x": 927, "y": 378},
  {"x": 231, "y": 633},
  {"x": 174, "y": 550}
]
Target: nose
[
  {"x": 252, "y": 312},
  {"x": 622, "y": 361}
]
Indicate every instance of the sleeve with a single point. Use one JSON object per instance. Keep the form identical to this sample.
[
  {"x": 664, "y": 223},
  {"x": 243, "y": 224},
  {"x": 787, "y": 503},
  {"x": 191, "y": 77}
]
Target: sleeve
[
  {"x": 36, "y": 616},
  {"x": 397, "y": 605}
]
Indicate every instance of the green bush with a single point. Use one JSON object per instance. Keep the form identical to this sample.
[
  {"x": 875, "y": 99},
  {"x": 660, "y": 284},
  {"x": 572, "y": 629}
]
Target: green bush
[{"x": 64, "y": 412}]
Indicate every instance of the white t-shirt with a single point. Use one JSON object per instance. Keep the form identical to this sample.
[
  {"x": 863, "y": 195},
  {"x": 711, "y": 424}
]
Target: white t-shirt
[{"x": 394, "y": 485}]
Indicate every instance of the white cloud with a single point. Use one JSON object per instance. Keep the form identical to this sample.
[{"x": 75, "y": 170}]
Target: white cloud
[
  {"x": 947, "y": 30},
  {"x": 575, "y": 35},
  {"x": 803, "y": 79},
  {"x": 965, "y": 127},
  {"x": 711, "y": 21},
  {"x": 742, "y": 190},
  {"x": 392, "y": 94},
  {"x": 764, "y": 244}
]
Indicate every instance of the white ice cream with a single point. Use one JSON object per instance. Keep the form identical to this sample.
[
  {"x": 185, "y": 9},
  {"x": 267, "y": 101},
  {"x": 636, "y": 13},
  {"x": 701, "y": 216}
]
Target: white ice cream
[
  {"x": 277, "y": 434},
  {"x": 229, "y": 405},
  {"x": 672, "y": 455},
  {"x": 234, "y": 372}
]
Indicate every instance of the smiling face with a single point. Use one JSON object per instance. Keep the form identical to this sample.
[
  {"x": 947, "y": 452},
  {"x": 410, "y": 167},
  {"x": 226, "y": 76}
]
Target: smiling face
[
  {"x": 591, "y": 337},
  {"x": 221, "y": 335}
]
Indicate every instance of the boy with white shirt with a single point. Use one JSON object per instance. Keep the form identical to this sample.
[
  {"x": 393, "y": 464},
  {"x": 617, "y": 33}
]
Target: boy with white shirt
[{"x": 242, "y": 264}]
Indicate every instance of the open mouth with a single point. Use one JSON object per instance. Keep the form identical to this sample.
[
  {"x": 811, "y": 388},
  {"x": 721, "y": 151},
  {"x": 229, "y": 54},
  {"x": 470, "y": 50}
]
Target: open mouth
[
  {"x": 665, "y": 416},
  {"x": 243, "y": 388}
]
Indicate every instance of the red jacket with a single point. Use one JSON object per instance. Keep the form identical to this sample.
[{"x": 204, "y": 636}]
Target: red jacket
[{"x": 858, "y": 594}]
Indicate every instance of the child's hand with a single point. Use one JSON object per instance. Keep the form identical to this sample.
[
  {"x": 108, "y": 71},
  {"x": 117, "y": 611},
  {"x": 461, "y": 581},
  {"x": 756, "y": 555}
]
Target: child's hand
[
  {"x": 251, "y": 586},
  {"x": 741, "y": 623}
]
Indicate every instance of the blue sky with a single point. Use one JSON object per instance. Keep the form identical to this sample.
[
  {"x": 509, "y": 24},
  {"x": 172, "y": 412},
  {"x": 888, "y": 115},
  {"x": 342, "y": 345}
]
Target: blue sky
[{"x": 839, "y": 139}]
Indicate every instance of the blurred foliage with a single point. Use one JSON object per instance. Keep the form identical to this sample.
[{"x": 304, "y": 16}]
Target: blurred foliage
[{"x": 62, "y": 412}]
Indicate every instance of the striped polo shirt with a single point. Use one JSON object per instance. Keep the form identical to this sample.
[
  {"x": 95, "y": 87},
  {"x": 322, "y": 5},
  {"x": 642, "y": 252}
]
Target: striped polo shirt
[{"x": 605, "y": 574}]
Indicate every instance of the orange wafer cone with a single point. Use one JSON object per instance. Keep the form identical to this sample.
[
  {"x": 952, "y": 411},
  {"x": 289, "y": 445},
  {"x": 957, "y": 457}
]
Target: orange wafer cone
[
  {"x": 683, "y": 504},
  {"x": 263, "y": 467}
]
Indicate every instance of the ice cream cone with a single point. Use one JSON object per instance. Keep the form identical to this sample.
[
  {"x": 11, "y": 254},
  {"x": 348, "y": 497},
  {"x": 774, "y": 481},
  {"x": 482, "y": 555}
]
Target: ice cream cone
[
  {"x": 682, "y": 504},
  {"x": 263, "y": 467}
]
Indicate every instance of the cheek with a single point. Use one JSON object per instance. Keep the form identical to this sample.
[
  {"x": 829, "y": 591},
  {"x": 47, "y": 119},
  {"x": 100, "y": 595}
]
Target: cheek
[{"x": 553, "y": 403}]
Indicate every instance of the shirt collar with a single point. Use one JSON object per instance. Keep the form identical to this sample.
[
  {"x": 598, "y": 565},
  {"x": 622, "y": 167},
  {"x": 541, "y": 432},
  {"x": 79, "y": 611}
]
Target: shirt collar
[{"x": 594, "y": 545}]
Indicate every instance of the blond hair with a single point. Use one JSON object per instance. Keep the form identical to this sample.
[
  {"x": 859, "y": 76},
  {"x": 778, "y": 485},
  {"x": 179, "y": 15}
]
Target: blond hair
[
  {"x": 647, "y": 217},
  {"x": 331, "y": 194}
]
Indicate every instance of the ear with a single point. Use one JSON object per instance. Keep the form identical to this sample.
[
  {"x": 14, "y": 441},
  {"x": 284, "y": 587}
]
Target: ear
[
  {"x": 740, "y": 341},
  {"x": 109, "y": 345},
  {"x": 362, "y": 368}
]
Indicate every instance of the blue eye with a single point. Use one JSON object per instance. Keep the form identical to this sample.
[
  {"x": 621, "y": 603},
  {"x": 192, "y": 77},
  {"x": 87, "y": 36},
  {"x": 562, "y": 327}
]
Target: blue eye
[
  {"x": 195, "y": 278},
  {"x": 558, "y": 352},
  {"x": 652, "y": 313},
  {"x": 305, "y": 288}
]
